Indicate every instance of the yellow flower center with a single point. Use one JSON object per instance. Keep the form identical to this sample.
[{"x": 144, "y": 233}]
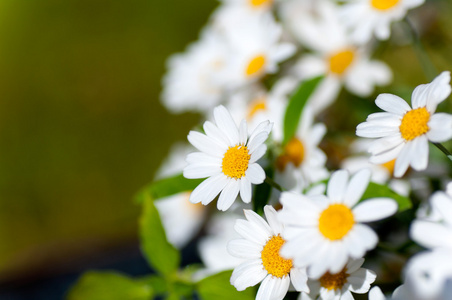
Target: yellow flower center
[
  {"x": 293, "y": 152},
  {"x": 334, "y": 281},
  {"x": 256, "y": 106},
  {"x": 340, "y": 61},
  {"x": 273, "y": 263},
  {"x": 383, "y": 4},
  {"x": 389, "y": 166},
  {"x": 414, "y": 123},
  {"x": 255, "y": 66},
  {"x": 336, "y": 221},
  {"x": 235, "y": 161},
  {"x": 257, "y": 3}
]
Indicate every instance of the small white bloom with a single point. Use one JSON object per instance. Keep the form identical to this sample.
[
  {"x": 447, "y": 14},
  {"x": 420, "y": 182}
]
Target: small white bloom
[
  {"x": 368, "y": 17},
  {"x": 352, "y": 278},
  {"x": 228, "y": 158},
  {"x": 196, "y": 80},
  {"x": 317, "y": 26},
  {"x": 260, "y": 247},
  {"x": 403, "y": 132},
  {"x": 323, "y": 232}
]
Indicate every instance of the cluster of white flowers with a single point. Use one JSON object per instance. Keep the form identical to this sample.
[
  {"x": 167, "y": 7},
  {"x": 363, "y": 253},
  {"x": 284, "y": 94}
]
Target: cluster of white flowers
[{"x": 240, "y": 75}]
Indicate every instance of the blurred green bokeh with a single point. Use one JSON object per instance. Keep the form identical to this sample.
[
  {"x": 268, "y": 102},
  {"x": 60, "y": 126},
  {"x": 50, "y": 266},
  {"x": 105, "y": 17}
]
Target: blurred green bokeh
[{"x": 81, "y": 125}]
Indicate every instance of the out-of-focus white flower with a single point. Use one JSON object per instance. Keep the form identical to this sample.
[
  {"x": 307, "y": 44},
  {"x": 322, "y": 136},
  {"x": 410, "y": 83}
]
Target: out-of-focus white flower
[
  {"x": 302, "y": 159},
  {"x": 323, "y": 232},
  {"x": 352, "y": 278},
  {"x": 316, "y": 25},
  {"x": 403, "y": 132},
  {"x": 181, "y": 219},
  {"x": 260, "y": 245},
  {"x": 196, "y": 79},
  {"x": 228, "y": 158},
  {"x": 251, "y": 6},
  {"x": 366, "y": 18},
  {"x": 254, "y": 43},
  {"x": 375, "y": 293}
]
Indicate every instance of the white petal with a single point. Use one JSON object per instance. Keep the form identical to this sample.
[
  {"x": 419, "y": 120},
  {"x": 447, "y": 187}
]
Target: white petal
[
  {"x": 201, "y": 171},
  {"x": 256, "y": 141},
  {"x": 200, "y": 157},
  {"x": 258, "y": 153},
  {"x": 248, "y": 274},
  {"x": 205, "y": 144},
  {"x": 356, "y": 187},
  {"x": 243, "y": 133},
  {"x": 385, "y": 144},
  {"x": 354, "y": 264},
  {"x": 420, "y": 160},
  {"x": 337, "y": 185},
  {"x": 370, "y": 130},
  {"x": 273, "y": 288},
  {"x": 403, "y": 159},
  {"x": 216, "y": 134},
  {"x": 255, "y": 174},
  {"x": 226, "y": 124},
  {"x": 431, "y": 235},
  {"x": 259, "y": 222},
  {"x": 228, "y": 195},
  {"x": 369, "y": 238},
  {"x": 438, "y": 91},
  {"x": 440, "y": 125},
  {"x": 387, "y": 156},
  {"x": 272, "y": 218},
  {"x": 361, "y": 280},
  {"x": 244, "y": 249},
  {"x": 374, "y": 209},
  {"x": 299, "y": 279},
  {"x": 392, "y": 103},
  {"x": 208, "y": 189},
  {"x": 245, "y": 190}
]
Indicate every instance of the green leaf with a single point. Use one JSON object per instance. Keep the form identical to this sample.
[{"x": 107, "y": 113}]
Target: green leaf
[
  {"x": 262, "y": 193},
  {"x": 160, "y": 254},
  {"x": 218, "y": 287},
  {"x": 167, "y": 187},
  {"x": 295, "y": 107},
  {"x": 109, "y": 286},
  {"x": 375, "y": 190}
]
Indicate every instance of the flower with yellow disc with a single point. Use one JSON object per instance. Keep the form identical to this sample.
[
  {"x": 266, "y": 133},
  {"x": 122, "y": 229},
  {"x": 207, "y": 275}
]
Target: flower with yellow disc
[
  {"x": 324, "y": 231},
  {"x": 403, "y": 132},
  {"x": 260, "y": 247}
]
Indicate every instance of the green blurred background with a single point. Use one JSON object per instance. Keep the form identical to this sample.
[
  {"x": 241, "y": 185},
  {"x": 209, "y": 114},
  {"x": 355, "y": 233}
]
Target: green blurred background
[
  {"x": 81, "y": 124},
  {"x": 82, "y": 127}
]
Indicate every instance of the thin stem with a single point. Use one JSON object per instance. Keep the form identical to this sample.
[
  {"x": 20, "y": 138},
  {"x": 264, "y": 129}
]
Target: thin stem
[
  {"x": 426, "y": 64},
  {"x": 273, "y": 184},
  {"x": 444, "y": 150}
]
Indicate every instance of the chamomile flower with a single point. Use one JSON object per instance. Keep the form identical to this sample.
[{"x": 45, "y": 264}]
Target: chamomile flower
[
  {"x": 352, "y": 278},
  {"x": 228, "y": 158},
  {"x": 196, "y": 79},
  {"x": 403, "y": 132},
  {"x": 366, "y": 18},
  {"x": 323, "y": 232},
  {"x": 334, "y": 54},
  {"x": 260, "y": 247}
]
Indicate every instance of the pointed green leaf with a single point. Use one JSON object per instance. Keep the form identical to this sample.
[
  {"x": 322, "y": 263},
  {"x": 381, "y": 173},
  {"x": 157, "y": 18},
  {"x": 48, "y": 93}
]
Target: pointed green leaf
[
  {"x": 375, "y": 190},
  {"x": 295, "y": 107},
  {"x": 218, "y": 287},
  {"x": 167, "y": 187},
  {"x": 109, "y": 286},
  {"x": 160, "y": 254}
]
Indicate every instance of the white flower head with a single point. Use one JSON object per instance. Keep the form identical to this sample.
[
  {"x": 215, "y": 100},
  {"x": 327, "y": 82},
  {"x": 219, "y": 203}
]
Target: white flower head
[
  {"x": 196, "y": 79},
  {"x": 260, "y": 247},
  {"x": 334, "y": 54},
  {"x": 368, "y": 17},
  {"x": 228, "y": 158},
  {"x": 352, "y": 278},
  {"x": 403, "y": 132},
  {"x": 323, "y": 232}
]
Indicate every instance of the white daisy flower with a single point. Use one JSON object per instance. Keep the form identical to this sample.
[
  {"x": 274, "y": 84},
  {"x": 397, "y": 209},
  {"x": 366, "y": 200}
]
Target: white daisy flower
[
  {"x": 352, "y": 278},
  {"x": 260, "y": 247},
  {"x": 323, "y": 232},
  {"x": 302, "y": 159},
  {"x": 228, "y": 158},
  {"x": 368, "y": 17},
  {"x": 196, "y": 80},
  {"x": 403, "y": 132},
  {"x": 334, "y": 55},
  {"x": 255, "y": 45}
]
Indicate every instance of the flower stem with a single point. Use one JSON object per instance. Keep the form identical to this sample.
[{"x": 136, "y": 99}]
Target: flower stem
[
  {"x": 444, "y": 150},
  {"x": 429, "y": 69},
  {"x": 273, "y": 184}
]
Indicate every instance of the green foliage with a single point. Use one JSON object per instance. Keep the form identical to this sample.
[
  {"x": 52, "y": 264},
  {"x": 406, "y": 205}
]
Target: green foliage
[
  {"x": 109, "y": 286},
  {"x": 295, "y": 107},
  {"x": 218, "y": 287},
  {"x": 167, "y": 187},
  {"x": 262, "y": 193},
  {"x": 161, "y": 255},
  {"x": 375, "y": 190}
]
